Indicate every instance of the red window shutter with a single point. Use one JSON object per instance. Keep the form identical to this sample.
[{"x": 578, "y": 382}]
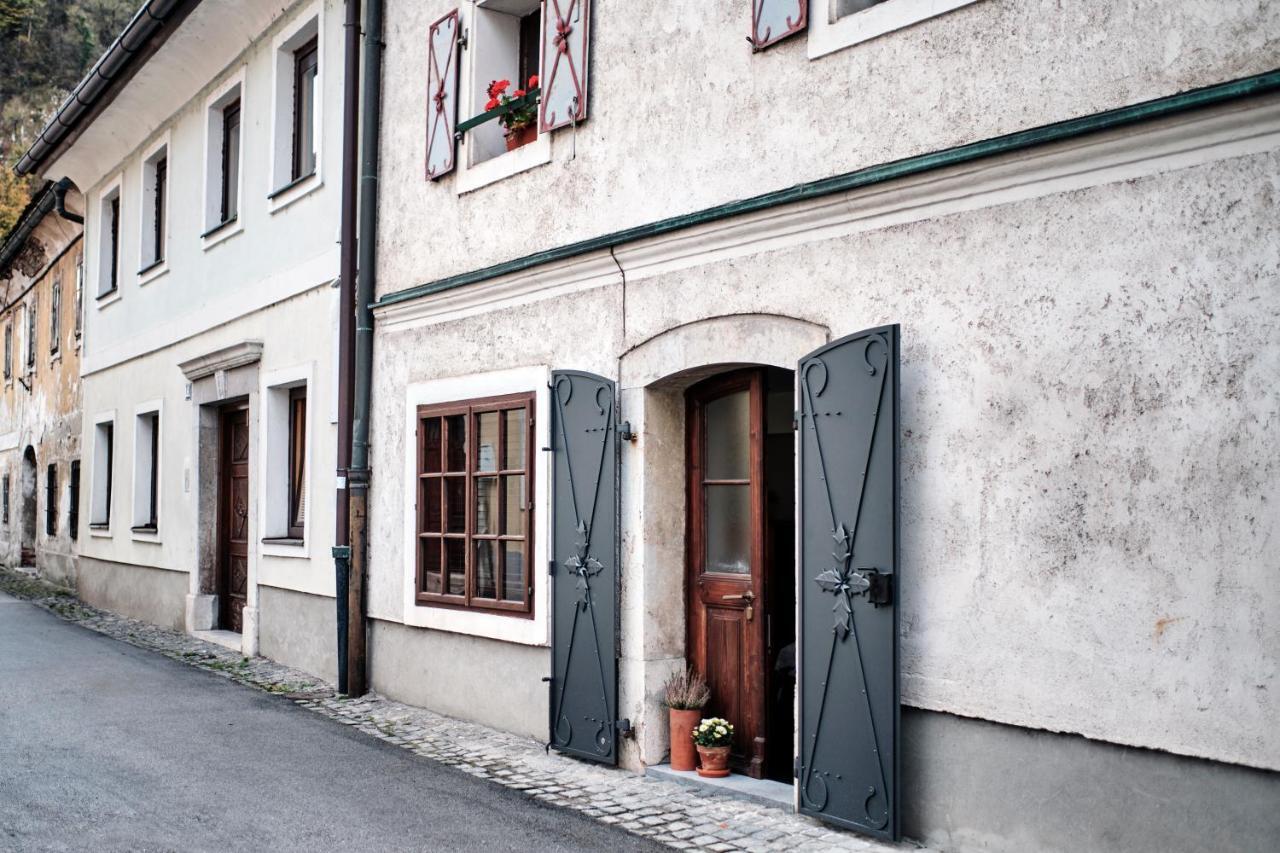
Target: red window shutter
[
  {"x": 565, "y": 25},
  {"x": 442, "y": 95},
  {"x": 774, "y": 20}
]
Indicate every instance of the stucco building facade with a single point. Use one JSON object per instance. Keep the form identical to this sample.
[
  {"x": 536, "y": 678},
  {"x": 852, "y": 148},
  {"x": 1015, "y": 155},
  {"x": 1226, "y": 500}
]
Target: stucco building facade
[
  {"x": 210, "y": 182},
  {"x": 1052, "y": 229},
  {"x": 41, "y": 268}
]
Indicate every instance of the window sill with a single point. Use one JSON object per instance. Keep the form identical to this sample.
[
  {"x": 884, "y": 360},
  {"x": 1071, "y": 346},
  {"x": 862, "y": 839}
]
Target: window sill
[
  {"x": 220, "y": 232},
  {"x": 294, "y": 190},
  {"x": 153, "y": 271},
  {"x": 284, "y": 540},
  {"x": 457, "y": 602},
  {"x": 100, "y": 531},
  {"x": 827, "y": 36},
  {"x": 145, "y": 533},
  {"x": 473, "y": 177},
  {"x": 108, "y": 298}
]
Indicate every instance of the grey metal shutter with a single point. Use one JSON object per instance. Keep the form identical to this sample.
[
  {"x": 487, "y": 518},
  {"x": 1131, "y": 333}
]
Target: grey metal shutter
[
  {"x": 584, "y": 566},
  {"x": 849, "y": 583},
  {"x": 774, "y": 20},
  {"x": 566, "y": 34},
  {"x": 442, "y": 95}
]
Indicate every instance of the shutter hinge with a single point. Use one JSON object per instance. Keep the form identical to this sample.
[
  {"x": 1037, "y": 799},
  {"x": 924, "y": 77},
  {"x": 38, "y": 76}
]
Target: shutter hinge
[
  {"x": 551, "y": 567},
  {"x": 795, "y": 767},
  {"x": 795, "y": 419},
  {"x": 463, "y": 37},
  {"x": 624, "y": 727},
  {"x": 625, "y": 433}
]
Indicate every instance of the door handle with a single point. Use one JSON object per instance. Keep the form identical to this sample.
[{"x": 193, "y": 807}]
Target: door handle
[{"x": 746, "y": 596}]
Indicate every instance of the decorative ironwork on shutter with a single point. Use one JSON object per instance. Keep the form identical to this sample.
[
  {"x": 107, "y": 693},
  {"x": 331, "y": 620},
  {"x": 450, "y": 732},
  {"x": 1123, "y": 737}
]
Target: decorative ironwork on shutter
[
  {"x": 565, "y": 39},
  {"x": 774, "y": 20},
  {"x": 584, "y": 566},
  {"x": 442, "y": 95},
  {"x": 848, "y": 494}
]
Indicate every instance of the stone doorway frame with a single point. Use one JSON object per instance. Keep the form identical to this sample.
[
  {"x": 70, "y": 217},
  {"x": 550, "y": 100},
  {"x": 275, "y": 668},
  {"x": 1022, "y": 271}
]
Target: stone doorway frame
[
  {"x": 220, "y": 377},
  {"x": 653, "y": 376}
]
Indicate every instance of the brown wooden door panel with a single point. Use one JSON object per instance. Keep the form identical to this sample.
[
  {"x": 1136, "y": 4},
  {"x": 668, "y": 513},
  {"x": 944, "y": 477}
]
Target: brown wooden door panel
[
  {"x": 233, "y": 519},
  {"x": 726, "y": 555}
]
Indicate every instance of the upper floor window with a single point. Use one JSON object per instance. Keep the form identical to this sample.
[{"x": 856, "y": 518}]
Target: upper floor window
[
  {"x": 8, "y": 350},
  {"x": 305, "y": 68},
  {"x": 475, "y": 513},
  {"x": 31, "y": 335},
  {"x": 298, "y": 103},
  {"x": 849, "y": 7},
  {"x": 55, "y": 314},
  {"x": 223, "y": 153},
  {"x": 79, "y": 293},
  {"x": 229, "y": 180},
  {"x": 109, "y": 242},
  {"x": 837, "y": 24},
  {"x": 155, "y": 180}
]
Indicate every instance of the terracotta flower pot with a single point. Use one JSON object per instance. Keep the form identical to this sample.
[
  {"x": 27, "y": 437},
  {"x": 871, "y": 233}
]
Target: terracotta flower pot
[
  {"x": 521, "y": 136},
  {"x": 715, "y": 761},
  {"x": 683, "y": 756}
]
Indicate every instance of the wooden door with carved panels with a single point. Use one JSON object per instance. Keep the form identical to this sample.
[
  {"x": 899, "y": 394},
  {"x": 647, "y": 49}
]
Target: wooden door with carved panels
[{"x": 233, "y": 518}]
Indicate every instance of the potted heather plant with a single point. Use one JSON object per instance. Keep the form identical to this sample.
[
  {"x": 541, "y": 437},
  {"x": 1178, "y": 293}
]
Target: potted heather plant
[
  {"x": 713, "y": 737},
  {"x": 685, "y": 694},
  {"x": 519, "y": 124}
]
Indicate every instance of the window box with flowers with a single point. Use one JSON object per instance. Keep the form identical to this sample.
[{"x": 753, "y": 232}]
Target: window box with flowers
[{"x": 517, "y": 112}]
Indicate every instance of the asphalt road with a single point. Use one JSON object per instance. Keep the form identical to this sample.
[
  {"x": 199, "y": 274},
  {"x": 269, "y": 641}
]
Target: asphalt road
[{"x": 107, "y": 747}]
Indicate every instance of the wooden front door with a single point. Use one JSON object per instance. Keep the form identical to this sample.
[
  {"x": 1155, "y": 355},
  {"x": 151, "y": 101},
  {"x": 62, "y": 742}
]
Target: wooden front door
[
  {"x": 727, "y": 554},
  {"x": 233, "y": 518}
]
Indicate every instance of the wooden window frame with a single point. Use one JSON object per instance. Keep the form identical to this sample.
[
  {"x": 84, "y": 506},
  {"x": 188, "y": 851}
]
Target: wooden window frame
[
  {"x": 308, "y": 51},
  {"x": 32, "y": 331},
  {"x": 160, "y": 172},
  {"x": 229, "y": 188},
  {"x": 55, "y": 315},
  {"x": 297, "y": 458},
  {"x": 114, "y": 273},
  {"x": 471, "y": 409}
]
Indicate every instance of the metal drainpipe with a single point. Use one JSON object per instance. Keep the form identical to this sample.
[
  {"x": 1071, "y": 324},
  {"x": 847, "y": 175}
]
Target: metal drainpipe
[
  {"x": 357, "y": 666},
  {"x": 60, "y": 201},
  {"x": 346, "y": 318}
]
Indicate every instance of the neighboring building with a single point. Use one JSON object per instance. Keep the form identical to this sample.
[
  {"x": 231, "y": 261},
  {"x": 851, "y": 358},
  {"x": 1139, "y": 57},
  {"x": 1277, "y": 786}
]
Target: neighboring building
[
  {"x": 1053, "y": 229},
  {"x": 42, "y": 273},
  {"x": 209, "y": 160}
]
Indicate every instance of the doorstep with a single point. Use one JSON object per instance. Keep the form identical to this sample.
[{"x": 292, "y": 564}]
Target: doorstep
[
  {"x": 226, "y": 639},
  {"x": 735, "y": 785}
]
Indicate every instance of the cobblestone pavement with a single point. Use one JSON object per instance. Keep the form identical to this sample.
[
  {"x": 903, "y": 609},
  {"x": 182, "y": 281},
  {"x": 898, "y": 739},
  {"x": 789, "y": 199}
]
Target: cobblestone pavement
[{"x": 676, "y": 815}]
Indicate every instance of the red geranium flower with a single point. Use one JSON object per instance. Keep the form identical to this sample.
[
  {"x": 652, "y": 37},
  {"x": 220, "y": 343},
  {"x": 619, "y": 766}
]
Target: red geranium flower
[
  {"x": 533, "y": 82},
  {"x": 497, "y": 87},
  {"x": 518, "y": 93},
  {"x": 493, "y": 102}
]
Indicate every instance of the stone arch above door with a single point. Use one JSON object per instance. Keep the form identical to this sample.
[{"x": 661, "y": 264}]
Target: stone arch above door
[{"x": 679, "y": 356}]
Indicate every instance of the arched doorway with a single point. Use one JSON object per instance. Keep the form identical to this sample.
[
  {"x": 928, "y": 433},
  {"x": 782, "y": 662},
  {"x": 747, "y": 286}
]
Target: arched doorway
[
  {"x": 741, "y": 558},
  {"x": 28, "y": 493}
]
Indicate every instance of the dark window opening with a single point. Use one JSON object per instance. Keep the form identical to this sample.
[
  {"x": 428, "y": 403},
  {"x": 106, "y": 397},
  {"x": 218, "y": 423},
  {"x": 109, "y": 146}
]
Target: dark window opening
[
  {"x": 305, "y": 68},
  {"x": 73, "y": 496},
  {"x": 230, "y": 206},
  {"x": 8, "y": 351},
  {"x": 113, "y": 255},
  {"x": 51, "y": 501},
  {"x": 4, "y": 501},
  {"x": 55, "y": 315},
  {"x": 530, "y": 47},
  {"x": 160, "y": 174}
]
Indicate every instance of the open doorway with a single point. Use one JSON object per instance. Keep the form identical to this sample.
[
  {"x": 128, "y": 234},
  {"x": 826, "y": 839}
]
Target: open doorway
[
  {"x": 28, "y": 493},
  {"x": 741, "y": 559}
]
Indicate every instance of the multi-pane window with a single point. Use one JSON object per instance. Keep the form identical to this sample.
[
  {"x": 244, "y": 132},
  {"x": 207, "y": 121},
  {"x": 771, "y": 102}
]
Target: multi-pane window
[
  {"x": 474, "y": 508},
  {"x": 108, "y": 271},
  {"x": 55, "y": 314},
  {"x": 305, "y": 70},
  {"x": 297, "y": 461},
  {"x": 229, "y": 207},
  {"x": 51, "y": 500},
  {"x": 73, "y": 496}
]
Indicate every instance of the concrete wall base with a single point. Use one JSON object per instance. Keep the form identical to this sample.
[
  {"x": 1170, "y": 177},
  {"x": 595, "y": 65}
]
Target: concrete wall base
[
  {"x": 973, "y": 785},
  {"x": 298, "y": 629},
  {"x": 153, "y": 595},
  {"x": 202, "y": 612},
  {"x": 472, "y": 678}
]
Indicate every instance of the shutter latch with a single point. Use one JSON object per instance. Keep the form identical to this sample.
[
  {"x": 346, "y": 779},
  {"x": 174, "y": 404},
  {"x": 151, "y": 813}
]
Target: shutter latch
[{"x": 625, "y": 433}]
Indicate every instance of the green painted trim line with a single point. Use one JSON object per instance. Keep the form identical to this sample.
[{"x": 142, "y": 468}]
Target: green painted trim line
[{"x": 1020, "y": 140}]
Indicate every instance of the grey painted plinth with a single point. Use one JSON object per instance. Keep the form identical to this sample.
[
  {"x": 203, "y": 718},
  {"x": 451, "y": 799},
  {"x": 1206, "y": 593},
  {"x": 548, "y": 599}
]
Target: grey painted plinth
[{"x": 764, "y": 791}]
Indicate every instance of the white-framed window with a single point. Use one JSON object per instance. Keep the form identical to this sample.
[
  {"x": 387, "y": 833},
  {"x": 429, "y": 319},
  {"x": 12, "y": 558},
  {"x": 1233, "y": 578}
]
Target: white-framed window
[
  {"x": 836, "y": 24},
  {"x": 32, "y": 331},
  {"x": 146, "y": 469},
  {"x": 55, "y": 314},
  {"x": 79, "y": 326},
  {"x": 109, "y": 222},
  {"x": 503, "y": 43},
  {"x": 287, "y": 461},
  {"x": 419, "y": 400},
  {"x": 104, "y": 433},
  {"x": 154, "y": 221},
  {"x": 297, "y": 108},
  {"x": 223, "y": 148}
]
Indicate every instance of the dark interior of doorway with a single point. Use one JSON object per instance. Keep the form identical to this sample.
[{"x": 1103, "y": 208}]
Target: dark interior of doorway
[{"x": 780, "y": 581}]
